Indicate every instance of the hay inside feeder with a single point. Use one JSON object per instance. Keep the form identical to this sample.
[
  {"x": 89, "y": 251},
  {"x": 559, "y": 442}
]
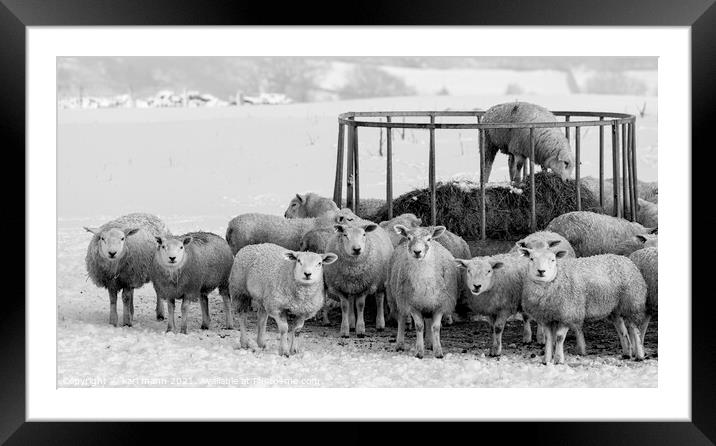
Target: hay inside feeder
[{"x": 507, "y": 211}]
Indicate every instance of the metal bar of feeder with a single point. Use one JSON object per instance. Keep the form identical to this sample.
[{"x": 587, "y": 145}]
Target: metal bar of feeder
[
  {"x": 338, "y": 185},
  {"x": 577, "y": 141},
  {"x": 350, "y": 169},
  {"x": 615, "y": 167},
  {"x": 566, "y": 129},
  {"x": 431, "y": 167},
  {"x": 389, "y": 169},
  {"x": 481, "y": 148},
  {"x": 635, "y": 178},
  {"x": 625, "y": 172},
  {"x": 357, "y": 173},
  {"x": 601, "y": 164},
  {"x": 533, "y": 210}
]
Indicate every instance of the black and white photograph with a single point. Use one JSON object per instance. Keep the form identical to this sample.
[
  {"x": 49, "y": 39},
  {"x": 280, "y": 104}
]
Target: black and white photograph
[{"x": 357, "y": 221}]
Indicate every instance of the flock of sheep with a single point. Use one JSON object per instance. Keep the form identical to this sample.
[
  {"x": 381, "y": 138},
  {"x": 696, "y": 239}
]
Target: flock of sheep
[{"x": 584, "y": 266}]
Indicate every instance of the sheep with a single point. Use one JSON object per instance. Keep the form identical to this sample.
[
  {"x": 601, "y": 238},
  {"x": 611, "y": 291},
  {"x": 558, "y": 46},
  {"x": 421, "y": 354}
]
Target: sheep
[
  {"x": 457, "y": 246},
  {"x": 423, "y": 283},
  {"x": 277, "y": 282},
  {"x": 590, "y": 233},
  {"x": 552, "y": 150},
  {"x": 119, "y": 257},
  {"x": 647, "y": 260},
  {"x": 564, "y": 294},
  {"x": 647, "y": 202},
  {"x": 253, "y": 229},
  {"x": 309, "y": 205},
  {"x": 361, "y": 270},
  {"x": 189, "y": 267}
]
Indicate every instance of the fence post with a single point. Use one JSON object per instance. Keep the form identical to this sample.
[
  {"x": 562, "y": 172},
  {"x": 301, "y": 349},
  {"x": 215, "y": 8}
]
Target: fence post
[
  {"x": 389, "y": 168},
  {"x": 625, "y": 172},
  {"x": 431, "y": 168},
  {"x": 635, "y": 178},
  {"x": 601, "y": 164},
  {"x": 615, "y": 167},
  {"x": 350, "y": 163},
  {"x": 338, "y": 186},
  {"x": 357, "y": 174},
  {"x": 566, "y": 129},
  {"x": 577, "y": 136},
  {"x": 481, "y": 148},
  {"x": 533, "y": 211}
]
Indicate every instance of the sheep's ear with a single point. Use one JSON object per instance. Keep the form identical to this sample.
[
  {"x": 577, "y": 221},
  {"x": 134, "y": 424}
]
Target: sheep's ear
[
  {"x": 525, "y": 252},
  {"x": 300, "y": 198},
  {"x": 460, "y": 263},
  {"x": 641, "y": 238},
  {"x": 553, "y": 243},
  {"x": 497, "y": 265},
  {"x": 560, "y": 254},
  {"x": 521, "y": 244},
  {"x": 329, "y": 258},
  {"x": 370, "y": 227},
  {"x": 401, "y": 230},
  {"x": 339, "y": 228},
  {"x": 187, "y": 240},
  {"x": 159, "y": 240},
  {"x": 290, "y": 255},
  {"x": 383, "y": 224},
  {"x": 653, "y": 230},
  {"x": 94, "y": 231},
  {"x": 128, "y": 232},
  {"x": 438, "y": 231}
]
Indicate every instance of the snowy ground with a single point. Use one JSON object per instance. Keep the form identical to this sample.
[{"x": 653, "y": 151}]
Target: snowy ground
[{"x": 197, "y": 168}]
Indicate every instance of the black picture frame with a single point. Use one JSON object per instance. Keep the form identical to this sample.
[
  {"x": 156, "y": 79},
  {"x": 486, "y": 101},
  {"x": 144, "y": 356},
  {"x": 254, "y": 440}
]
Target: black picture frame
[{"x": 700, "y": 15}]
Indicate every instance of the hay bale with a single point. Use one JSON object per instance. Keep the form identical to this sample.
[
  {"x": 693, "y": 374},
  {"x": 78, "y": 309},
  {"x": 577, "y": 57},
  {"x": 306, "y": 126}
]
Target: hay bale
[{"x": 507, "y": 211}]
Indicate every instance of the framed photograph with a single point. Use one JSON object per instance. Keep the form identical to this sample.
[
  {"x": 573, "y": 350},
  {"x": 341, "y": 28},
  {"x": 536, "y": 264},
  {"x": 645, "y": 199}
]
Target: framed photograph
[{"x": 355, "y": 220}]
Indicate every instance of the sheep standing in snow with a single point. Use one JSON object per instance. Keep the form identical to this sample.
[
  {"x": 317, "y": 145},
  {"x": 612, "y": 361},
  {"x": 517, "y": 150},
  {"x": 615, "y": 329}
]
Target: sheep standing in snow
[
  {"x": 278, "y": 282},
  {"x": 423, "y": 283},
  {"x": 361, "y": 270},
  {"x": 566, "y": 293},
  {"x": 309, "y": 205},
  {"x": 647, "y": 260},
  {"x": 552, "y": 150},
  {"x": 253, "y": 229},
  {"x": 119, "y": 257},
  {"x": 590, "y": 233},
  {"x": 189, "y": 267}
]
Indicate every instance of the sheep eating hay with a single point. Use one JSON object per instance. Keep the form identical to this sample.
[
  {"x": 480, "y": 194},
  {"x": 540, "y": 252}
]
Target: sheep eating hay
[
  {"x": 119, "y": 257},
  {"x": 278, "y": 282},
  {"x": 647, "y": 260},
  {"x": 189, "y": 267},
  {"x": 552, "y": 150}
]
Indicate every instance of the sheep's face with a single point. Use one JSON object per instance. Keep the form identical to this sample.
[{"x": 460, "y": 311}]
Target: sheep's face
[
  {"x": 407, "y": 220},
  {"x": 112, "y": 241},
  {"x": 353, "y": 238},
  {"x": 562, "y": 164},
  {"x": 308, "y": 267},
  {"x": 345, "y": 216},
  {"x": 418, "y": 245},
  {"x": 648, "y": 240},
  {"x": 542, "y": 266},
  {"x": 296, "y": 208},
  {"x": 171, "y": 251},
  {"x": 538, "y": 244},
  {"x": 478, "y": 273}
]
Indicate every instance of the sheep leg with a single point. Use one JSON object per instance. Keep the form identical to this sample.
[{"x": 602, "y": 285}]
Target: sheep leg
[
  {"x": 345, "y": 310},
  {"x": 400, "y": 338},
  {"x": 427, "y": 339},
  {"x": 526, "y": 329},
  {"x": 623, "y": 336},
  {"x": 511, "y": 167},
  {"x": 540, "y": 334},
  {"x": 490, "y": 154},
  {"x": 205, "y": 318},
  {"x": 261, "y": 328},
  {"x": 498, "y": 326},
  {"x": 228, "y": 311},
  {"x": 548, "y": 345},
  {"x": 160, "y": 309},
  {"x": 360, "y": 322},
  {"x": 643, "y": 327},
  {"x": 324, "y": 312},
  {"x": 379, "y": 310},
  {"x": 112, "y": 306},
  {"x": 419, "y": 342},
  {"x": 126, "y": 306},
  {"x": 282, "y": 323},
  {"x": 352, "y": 312},
  {"x": 184, "y": 314},
  {"x": 243, "y": 338},
  {"x": 518, "y": 165},
  {"x": 435, "y": 331},
  {"x": 581, "y": 345},
  {"x": 295, "y": 334},
  {"x": 170, "y": 308},
  {"x": 560, "y": 334},
  {"x": 635, "y": 339}
]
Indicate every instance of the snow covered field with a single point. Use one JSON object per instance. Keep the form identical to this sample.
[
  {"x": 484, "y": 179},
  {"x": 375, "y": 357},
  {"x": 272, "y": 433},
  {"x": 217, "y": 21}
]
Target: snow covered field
[{"x": 197, "y": 168}]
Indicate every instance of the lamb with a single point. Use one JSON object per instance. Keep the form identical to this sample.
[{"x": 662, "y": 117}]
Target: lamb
[
  {"x": 309, "y": 205},
  {"x": 278, "y": 282},
  {"x": 361, "y": 270},
  {"x": 647, "y": 260},
  {"x": 189, "y": 267},
  {"x": 591, "y": 234},
  {"x": 423, "y": 283},
  {"x": 457, "y": 246},
  {"x": 253, "y": 229},
  {"x": 544, "y": 238},
  {"x": 552, "y": 150},
  {"x": 119, "y": 257},
  {"x": 564, "y": 294}
]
